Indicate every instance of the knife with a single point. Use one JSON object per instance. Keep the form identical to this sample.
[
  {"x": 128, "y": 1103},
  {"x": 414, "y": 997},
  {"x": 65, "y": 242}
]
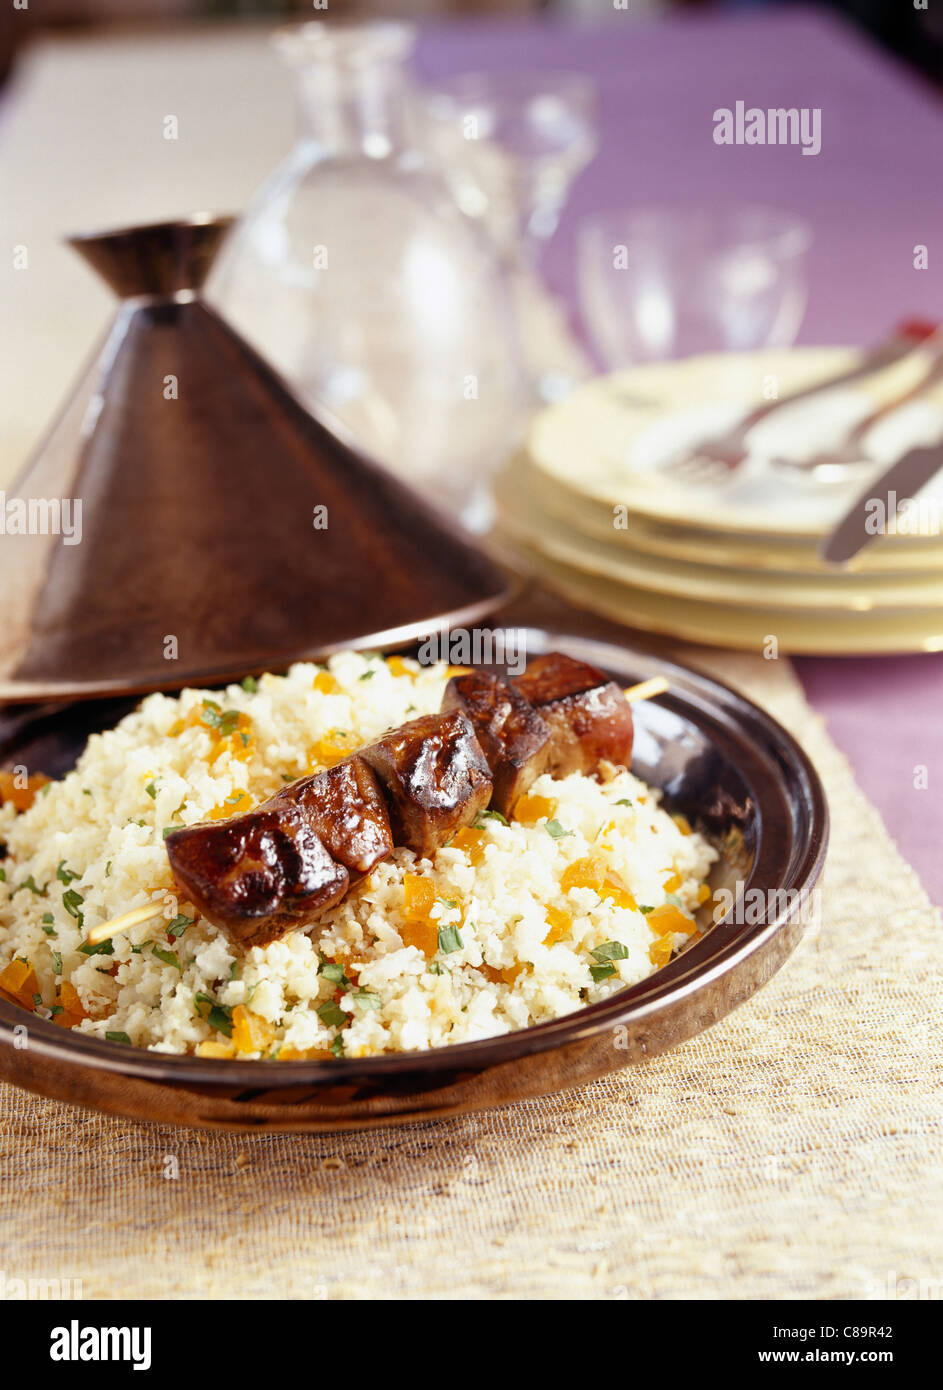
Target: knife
[{"x": 872, "y": 512}]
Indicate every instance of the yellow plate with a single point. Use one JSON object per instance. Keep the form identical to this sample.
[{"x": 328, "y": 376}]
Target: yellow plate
[
  {"x": 729, "y": 550},
  {"x": 831, "y": 594},
  {"x": 747, "y": 630},
  {"x": 606, "y": 442}
]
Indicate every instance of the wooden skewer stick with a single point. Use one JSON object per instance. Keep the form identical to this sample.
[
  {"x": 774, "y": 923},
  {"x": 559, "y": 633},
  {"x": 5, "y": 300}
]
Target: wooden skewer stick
[
  {"x": 104, "y": 930},
  {"x": 646, "y": 689}
]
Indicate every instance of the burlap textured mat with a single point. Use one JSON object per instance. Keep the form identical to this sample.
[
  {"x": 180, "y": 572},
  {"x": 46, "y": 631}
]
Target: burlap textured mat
[{"x": 792, "y": 1151}]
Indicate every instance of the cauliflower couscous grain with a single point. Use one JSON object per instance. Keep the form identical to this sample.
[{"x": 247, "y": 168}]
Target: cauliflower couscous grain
[{"x": 589, "y": 887}]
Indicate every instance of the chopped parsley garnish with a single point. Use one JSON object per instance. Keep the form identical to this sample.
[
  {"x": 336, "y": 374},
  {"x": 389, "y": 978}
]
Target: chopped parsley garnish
[
  {"x": 225, "y": 721},
  {"x": 118, "y": 1037},
  {"x": 332, "y": 1014},
  {"x": 151, "y": 790},
  {"x": 86, "y": 791},
  {"x": 56, "y": 963},
  {"x": 610, "y": 950},
  {"x": 367, "y": 675},
  {"x": 334, "y": 973},
  {"x": 624, "y": 801},
  {"x": 250, "y": 685},
  {"x": 37, "y": 1001},
  {"x": 601, "y": 972},
  {"x": 179, "y": 925},
  {"x": 104, "y": 948},
  {"x": 56, "y": 1009},
  {"x": 3, "y": 875},
  {"x": 450, "y": 940},
  {"x": 675, "y": 901},
  {"x": 169, "y": 830},
  {"x": 645, "y": 909},
  {"x": 556, "y": 831},
  {"x": 64, "y": 874},
  {"x": 108, "y": 869},
  {"x": 234, "y": 971},
  {"x": 337, "y": 1046},
  {"x": 33, "y": 887},
  {"x": 437, "y": 968},
  {"x": 219, "y": 1016},
  {"x": 70, "y": 901},
  {"x": 368, "y": 999},
  {"x": 168, "y": 957},
  {"x": 484, "y": 816}
]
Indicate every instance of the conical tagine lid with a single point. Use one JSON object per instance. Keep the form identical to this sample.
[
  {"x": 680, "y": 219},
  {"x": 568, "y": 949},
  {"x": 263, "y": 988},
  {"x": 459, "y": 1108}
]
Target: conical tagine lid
[{"x": 187, "y": 519}]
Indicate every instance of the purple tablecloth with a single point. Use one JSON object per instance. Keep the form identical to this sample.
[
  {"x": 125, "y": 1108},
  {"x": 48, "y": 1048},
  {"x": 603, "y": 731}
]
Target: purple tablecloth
[{"x": 872, "y": 194}]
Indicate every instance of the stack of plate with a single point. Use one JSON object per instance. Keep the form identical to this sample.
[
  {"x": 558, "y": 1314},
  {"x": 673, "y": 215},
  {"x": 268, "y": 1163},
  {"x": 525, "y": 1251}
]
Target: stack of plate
[{"x": 590, "y": 503}]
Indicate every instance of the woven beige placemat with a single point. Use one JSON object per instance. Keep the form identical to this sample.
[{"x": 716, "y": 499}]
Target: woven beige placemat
[{"x": 792, "y": 1151}]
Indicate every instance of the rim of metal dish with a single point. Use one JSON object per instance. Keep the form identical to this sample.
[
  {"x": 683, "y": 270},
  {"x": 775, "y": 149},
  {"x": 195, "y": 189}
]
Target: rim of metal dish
[{"x": 684, "y": 977}]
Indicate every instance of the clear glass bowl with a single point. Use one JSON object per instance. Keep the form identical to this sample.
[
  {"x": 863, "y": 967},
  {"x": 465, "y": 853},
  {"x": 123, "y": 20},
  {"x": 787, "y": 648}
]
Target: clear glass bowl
[{"x": 671, "y": 282}]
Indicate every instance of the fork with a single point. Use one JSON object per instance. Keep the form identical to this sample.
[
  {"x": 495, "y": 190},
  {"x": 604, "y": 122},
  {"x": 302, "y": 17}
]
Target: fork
[
  {"x": 851, "y": 451},
  {"x": 715, "y": 459}
]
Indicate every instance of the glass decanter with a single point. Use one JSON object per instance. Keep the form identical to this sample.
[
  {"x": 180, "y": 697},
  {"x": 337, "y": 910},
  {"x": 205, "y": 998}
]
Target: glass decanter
[{"x": 356, "y": 273}]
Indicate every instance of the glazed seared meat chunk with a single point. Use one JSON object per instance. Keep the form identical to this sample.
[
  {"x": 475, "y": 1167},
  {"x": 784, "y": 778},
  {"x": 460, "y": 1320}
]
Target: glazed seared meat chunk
[
  {"x": 346, "y": 808},
  {"x": 587, "y": 714},
  {"x": 514, "y": 738},
  {"x": 258, "y": 875},
  {"x": 435, "y": 776},
  {"x": 277, "y": 868}
]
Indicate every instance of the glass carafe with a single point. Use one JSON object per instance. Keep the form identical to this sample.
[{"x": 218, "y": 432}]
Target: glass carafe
[{"x": 357, "y": 274}]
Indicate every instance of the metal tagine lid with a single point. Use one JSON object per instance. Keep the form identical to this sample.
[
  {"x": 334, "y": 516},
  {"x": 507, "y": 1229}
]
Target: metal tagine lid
[{"x": 186, "y": 519}]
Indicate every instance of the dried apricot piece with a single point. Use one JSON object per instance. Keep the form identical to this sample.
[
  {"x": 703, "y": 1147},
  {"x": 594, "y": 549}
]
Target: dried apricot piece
[
  {"x": 250, "y": 1033},
  {"x": 584, "y": 873},
  {"x": 670, "y": 919},
  {"x": 219, "y": 1050},
  {"x": 660, "y": 951},
  {"x": 333, "y": 748},
  {"x": 233, "y": 806},
  {"x": 530, "y": 809},
  {"x": 560, "y": 923},
  {"x": 424, "y": 935},
  {"x": 470, "y": 841},
  {"x": 18, "y": 979},
  {"x": 21, "y": 797},
  {"x": 71, "y": 1003},
  {"x": 617, "y": 893}
]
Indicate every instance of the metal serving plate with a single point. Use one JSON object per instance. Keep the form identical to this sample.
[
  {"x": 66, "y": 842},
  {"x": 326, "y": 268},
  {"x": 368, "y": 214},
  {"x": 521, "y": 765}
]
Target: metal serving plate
[{"x": 730, "y": 768}]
